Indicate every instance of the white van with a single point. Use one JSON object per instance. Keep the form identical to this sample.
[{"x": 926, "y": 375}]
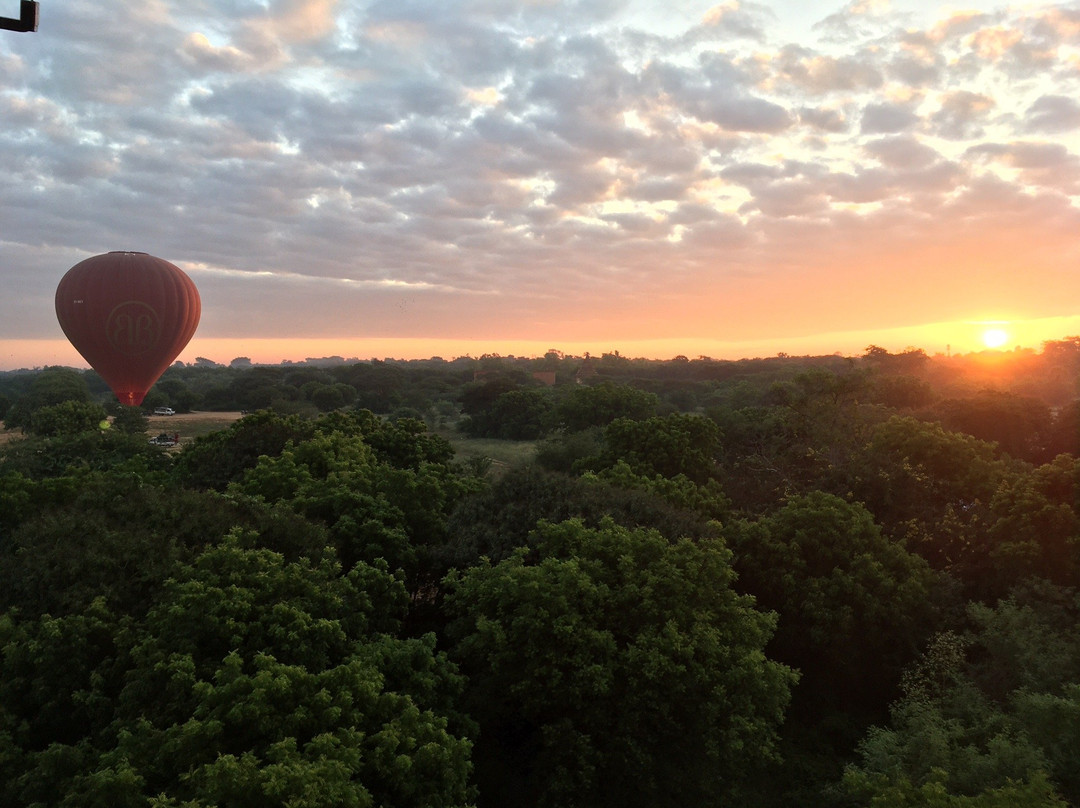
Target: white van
[{"x": 164, "y": 411}]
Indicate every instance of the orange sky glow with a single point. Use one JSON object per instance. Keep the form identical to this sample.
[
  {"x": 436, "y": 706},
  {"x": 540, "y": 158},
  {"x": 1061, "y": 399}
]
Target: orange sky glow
[
  {"x": 937, "y": 338},
  {"x": 720, "y": 179}
]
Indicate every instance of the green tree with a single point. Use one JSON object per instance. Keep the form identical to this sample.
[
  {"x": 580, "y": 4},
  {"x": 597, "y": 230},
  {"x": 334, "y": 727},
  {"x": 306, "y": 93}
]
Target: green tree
[
  {"x": 760, "y": 454},
  {"x": 680, "y": 490},
  {"x": 328, "y": 397},
  {"x": 480, "y": 396},
  {"x": 118, "y": 536},
  {"x": 177, "y": 392},
  {"x": 404, "y": 443},
  {"x": 1020, "y": 425},
  {"x": 215, "y": 460},
  {"x": 610, "y": 666},
  {"x": 54, "y": 385},
  {"x": 131, "y": 421},
  {"x": 515, "y": 415},
  {"x": 496, "y": 520},
  {"x": 879, "y": 792},
  {"x": 600, "y": 404},
  {"x": 66, "y": 418},
  {"x": 931, "y": 488},
  {"x": 1030, "y": 535},
  {"x": 994, "y": 708},
  {"x": 854, "y": 606},
  {"x": 251, "y": 681},
  {"x": 668, "y": 446},
  {"x": 41, "y": 457},
  {"x": 382, "y": 489},
  {"x": 903, "y": 392}
]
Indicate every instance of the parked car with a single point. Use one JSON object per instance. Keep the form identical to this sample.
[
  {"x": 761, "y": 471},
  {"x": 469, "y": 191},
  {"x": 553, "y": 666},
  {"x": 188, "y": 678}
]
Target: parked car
[{"x": 164, "y": 411}]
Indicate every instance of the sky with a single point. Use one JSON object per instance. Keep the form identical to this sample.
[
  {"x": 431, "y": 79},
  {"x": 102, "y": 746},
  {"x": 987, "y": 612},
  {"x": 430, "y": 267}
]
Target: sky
[{"x": 408, "y": 178}]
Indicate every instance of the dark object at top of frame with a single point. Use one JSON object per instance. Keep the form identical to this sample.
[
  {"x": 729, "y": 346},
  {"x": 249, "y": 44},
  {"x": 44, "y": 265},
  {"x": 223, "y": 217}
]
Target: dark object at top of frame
[{"x": 28, "y": 18}]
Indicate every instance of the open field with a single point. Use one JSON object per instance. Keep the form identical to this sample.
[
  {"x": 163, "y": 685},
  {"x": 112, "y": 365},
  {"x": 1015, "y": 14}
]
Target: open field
[
  {"x": 504, "y": 454},
  {"x": 190, "y": 425}
]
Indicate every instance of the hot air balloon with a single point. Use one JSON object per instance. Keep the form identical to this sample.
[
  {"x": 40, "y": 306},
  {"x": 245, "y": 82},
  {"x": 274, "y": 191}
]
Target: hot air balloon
[{"x": 129, "y": 314}]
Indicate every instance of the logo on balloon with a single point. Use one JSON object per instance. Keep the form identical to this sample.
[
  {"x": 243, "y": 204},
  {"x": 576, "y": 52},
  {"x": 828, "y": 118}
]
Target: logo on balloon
[{"x": 133, "y": 328}]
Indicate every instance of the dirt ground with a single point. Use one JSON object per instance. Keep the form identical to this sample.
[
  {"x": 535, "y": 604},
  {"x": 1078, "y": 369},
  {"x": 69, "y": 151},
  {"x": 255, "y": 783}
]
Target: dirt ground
[{"x": 190, "y": 425}]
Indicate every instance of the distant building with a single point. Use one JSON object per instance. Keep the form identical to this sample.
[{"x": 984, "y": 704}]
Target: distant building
[{"x": 586, "y": 371}]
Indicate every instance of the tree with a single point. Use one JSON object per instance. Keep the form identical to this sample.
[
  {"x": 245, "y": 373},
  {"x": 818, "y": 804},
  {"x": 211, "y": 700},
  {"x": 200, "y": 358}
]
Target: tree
[
  {"x": 903, "y": 392},
  {"x": 911, "y": 472},
  {"x": 682, "y": 492},
  {"x": 879, "y": 792},
  {"x": 65, "y": 418},
  {"x": 131, "y": 421},
  {"x": 334, "y": 480},
  {"x": 515, "y": 415},
  {"x": 1020, "y": 425},
  {"x": 498, "y": 519},
  {"x": 382, "y": 489},
  {"x": 251, "y": 681},
  {"x": 610, "y": 666},
  {"x": 176, "y": 391},
  {"x": 854, "y": 607},
  {"x": 992, "y": 709},
  {"x": 327, "y": 397},
  {"x": 668, "y": 446},
  {"x": 600, "y": 404},
  {"x": 215, "y": 460},
  {"x": 52, "y": 386},
  {"x": 481, "y": 395},
  {"x": 1030, "y": 535},
  {"x": 42, "y": 457},
  {"x": 118, "y": 536}
]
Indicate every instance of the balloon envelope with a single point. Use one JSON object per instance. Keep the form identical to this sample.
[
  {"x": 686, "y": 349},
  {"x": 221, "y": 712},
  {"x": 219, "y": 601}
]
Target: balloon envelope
[{"x": 129, "y": 314}]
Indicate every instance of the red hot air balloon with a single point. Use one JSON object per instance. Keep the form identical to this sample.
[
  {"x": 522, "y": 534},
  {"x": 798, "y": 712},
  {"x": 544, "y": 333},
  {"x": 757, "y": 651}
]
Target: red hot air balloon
[{"x": 129, "y": 314}]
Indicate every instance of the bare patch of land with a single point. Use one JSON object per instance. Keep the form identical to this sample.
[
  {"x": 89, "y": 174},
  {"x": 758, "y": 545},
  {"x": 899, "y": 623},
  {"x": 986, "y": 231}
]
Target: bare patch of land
[{"x": 190, "y": 425}]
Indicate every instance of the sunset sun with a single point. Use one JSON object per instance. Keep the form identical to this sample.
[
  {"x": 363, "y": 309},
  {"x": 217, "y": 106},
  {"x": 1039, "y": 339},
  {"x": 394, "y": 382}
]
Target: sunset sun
[{"x": 994, "y": 337}]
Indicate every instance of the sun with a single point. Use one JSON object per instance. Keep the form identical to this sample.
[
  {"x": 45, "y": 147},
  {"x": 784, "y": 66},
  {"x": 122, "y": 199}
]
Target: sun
[{"x": 995, "y": 337}]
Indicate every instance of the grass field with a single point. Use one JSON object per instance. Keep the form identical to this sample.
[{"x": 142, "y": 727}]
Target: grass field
[
  {"x": 504, "y": 454},
  {"x": 190, "y": 425}
]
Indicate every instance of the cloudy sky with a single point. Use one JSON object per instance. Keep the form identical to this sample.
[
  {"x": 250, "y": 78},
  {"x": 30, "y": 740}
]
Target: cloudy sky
[{"x": 418, "y": 178}]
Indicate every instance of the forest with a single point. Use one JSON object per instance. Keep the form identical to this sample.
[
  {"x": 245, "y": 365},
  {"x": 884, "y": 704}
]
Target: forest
[{"x": 788, "y": 581}]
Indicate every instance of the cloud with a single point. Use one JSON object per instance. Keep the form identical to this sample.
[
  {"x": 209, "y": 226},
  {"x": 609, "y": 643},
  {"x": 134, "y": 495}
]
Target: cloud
[
  {"x": 209, "y": 58},
  {"x": 820, "y": 74},
  {"x": 386, "y": 166},
  {"x": 962, "y": 114},
  {"x": 718, "y": 91},
  {"x": 887, "y": 118},
  {"x": 823, "y": 118},
  {"x": 903, "y": 151},
  {"x": 855, "y": 19},
  {"x": 736, "y": 19},
  {"x": 1036, "y": 163},
  {"x": 1052, "y": 114}
]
